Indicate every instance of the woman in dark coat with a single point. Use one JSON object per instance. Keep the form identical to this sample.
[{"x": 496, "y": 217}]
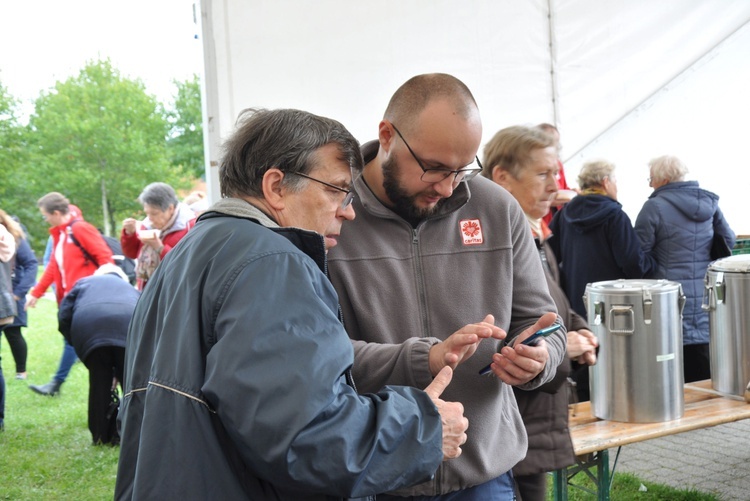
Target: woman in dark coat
[
  {"x": 592, "y": 237},
  {"x": 524, "y": 161},
  {"x": 594, "y": 240},
  {"x": 94, "y": 317},
  {"x": 677, "y": 225},
  {"x": 24, "y": 272}
]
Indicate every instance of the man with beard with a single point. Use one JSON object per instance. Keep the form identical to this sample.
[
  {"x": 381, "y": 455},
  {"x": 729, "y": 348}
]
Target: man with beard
[
  {"x": 434, "y": 248},
  {"x": 238, "y": 370}
]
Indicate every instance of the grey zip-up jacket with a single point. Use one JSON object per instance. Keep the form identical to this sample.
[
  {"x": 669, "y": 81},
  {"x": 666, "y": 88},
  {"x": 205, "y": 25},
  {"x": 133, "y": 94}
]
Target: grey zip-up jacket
[
  {"x": 403, "y": 289},
  {"x": 236, "y": 378}
]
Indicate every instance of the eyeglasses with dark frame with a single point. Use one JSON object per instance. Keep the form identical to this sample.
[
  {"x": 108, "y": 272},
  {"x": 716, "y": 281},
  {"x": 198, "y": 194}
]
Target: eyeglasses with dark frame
[
  {"x": 435, "y": 175},
  {"x": 348, "y": 198}
]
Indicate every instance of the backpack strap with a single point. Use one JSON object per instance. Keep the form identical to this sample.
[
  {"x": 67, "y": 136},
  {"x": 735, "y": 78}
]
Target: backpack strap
[{"x": 71, "y": 234}]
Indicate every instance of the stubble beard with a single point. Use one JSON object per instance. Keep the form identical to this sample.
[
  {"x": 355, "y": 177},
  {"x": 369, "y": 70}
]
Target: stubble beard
[{"x": 403, "y": 204}]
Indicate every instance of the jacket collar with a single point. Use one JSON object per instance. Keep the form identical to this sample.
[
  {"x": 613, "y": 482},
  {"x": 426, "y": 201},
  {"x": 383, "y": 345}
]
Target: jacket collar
[{"x": 309, "y": 242}]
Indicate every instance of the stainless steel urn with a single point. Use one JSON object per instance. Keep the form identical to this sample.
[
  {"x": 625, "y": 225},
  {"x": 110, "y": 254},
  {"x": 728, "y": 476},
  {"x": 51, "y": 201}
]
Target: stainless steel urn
[
  {"x": 638, "y": 375},
  {"x": 727, "y": 298}
]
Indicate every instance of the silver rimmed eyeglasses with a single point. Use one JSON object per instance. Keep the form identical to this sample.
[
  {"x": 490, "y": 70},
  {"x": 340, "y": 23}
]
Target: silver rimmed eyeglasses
[
  {"x": 435, "y": 175},
  {"x": 348, "y": 198}
]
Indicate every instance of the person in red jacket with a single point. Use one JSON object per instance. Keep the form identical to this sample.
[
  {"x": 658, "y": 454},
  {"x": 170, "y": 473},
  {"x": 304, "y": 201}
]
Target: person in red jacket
[
  {"x": 69, "y": 263},
  {"x": 167, "y": 221}
]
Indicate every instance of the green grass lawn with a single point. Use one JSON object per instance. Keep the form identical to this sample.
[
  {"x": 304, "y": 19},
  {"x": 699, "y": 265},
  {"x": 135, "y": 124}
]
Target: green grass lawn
[{"x": 46, "y": 451}]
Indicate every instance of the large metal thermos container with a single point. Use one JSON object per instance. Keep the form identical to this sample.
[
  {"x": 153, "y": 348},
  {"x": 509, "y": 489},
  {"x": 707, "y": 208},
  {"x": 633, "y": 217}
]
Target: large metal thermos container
[
  {"x": 726, "y": 296},
  {"x": 638, "y": 376}
]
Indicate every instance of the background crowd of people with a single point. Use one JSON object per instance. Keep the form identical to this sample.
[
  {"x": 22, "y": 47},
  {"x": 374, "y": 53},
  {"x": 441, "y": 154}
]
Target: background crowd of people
[
  {"x": 235, "y": 356},
  {"x": 94, "y": 314}
]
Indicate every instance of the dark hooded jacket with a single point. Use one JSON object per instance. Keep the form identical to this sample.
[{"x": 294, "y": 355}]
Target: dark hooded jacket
[
  {"x": 676, "y": 225},
  {"x": 594, "y": 240},
  {"x": 24, "y": 277},
  {"x": 237, "y": 378},
  {"x": 96, "y": 313}
]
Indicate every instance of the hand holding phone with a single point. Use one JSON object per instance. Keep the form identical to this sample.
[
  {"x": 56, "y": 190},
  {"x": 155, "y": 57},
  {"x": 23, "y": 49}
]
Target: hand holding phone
[{"x": 532, "y": 340}]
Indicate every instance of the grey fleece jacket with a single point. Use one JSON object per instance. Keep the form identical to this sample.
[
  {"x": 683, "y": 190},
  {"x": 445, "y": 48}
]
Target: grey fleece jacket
[{"x": 403, "y": 289}]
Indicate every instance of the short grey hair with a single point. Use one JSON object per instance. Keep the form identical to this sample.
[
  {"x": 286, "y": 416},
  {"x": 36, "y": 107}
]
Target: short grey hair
[
  {"x": 159, "y": 195},
  {"x": 510, "y": 149},
  {"x": 287, "y": 139},
  {"x": 594, "y": 172},
  {"x": 667, "y": 168}
]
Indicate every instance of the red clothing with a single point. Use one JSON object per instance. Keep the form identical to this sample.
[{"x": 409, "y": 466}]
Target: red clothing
[
  {"x": 132, "y": 245},
  {"x": 562, "y": 184},
  {"x": 75, "y": 264}
]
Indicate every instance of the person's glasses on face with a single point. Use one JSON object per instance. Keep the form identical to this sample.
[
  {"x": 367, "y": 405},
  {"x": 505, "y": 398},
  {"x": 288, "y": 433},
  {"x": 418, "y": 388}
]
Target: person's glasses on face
[
  {"x": 349, "y": 194},
  {"x": 435, "y": 175}
]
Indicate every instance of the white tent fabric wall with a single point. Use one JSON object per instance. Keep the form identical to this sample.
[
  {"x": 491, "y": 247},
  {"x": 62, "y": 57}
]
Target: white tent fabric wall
[
  {"x": 611, "y": 62},
  {"x": 702, "y": 118}
]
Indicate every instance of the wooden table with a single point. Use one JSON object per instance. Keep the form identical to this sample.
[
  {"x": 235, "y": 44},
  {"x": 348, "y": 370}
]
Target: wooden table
[{"x": 593, "y": 437}]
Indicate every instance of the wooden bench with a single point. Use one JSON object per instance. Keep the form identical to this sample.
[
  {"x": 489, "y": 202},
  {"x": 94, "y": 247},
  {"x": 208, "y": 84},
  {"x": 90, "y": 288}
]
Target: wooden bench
[{"x": 593, "y": 437}]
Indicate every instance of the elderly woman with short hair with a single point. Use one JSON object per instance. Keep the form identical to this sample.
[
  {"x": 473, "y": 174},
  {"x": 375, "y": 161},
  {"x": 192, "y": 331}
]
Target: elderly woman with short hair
[
  {"x": 677, "y": 225},
  {"x": 167, "y": 221},
  {"x": 594, "y": 240},
  {"x": 523, "y": 160}
]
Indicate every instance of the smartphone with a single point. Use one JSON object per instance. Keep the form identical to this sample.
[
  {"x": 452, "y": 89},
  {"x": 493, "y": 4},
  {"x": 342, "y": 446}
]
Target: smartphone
[{"x": 532, "y": 340}]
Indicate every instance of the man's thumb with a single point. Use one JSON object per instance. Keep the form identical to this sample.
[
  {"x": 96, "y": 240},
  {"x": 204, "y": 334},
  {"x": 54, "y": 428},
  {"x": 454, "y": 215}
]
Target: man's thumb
[{"x": 440, "y": 383}]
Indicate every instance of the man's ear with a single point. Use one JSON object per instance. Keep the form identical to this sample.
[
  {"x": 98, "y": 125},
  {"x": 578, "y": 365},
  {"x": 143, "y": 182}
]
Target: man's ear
[
  {"x": 385, "y": 135},
  {"x": 273, "y": 190}
]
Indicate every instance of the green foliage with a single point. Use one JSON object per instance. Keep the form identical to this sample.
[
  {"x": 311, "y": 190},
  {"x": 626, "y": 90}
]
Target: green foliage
[
  {"x": 186, "y": 135},
  {"x": 99, "y": 138},
  {"x": 14, "y": 187}
]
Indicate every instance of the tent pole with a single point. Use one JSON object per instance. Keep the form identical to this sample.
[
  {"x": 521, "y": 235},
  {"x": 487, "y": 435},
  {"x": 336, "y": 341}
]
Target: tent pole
[{"x": 553, "y": 62}]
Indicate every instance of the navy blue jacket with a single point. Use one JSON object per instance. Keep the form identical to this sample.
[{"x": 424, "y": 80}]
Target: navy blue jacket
[
  {"x": 676, "y": 225},
  {"x": 24, "y": 277},
  {"x": 236, "y": 378},
  {"x": 96, "y": 313},
  {"x": 594, "y": 240}
]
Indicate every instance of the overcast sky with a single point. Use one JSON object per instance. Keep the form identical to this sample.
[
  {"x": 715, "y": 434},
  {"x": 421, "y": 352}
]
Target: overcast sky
[{"x": 43, "y": 41}]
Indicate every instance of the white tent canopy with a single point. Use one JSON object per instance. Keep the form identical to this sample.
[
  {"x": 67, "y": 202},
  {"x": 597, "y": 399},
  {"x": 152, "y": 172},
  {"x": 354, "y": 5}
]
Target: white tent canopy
[{"x": 625, "y": 81}]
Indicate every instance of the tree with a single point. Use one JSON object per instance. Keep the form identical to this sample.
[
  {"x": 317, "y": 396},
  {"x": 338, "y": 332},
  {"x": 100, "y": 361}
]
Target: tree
[
  {"x": 99, "y": 139},
  {"x": 185, "y": 141},
  {"x": 15, "y": 188}
]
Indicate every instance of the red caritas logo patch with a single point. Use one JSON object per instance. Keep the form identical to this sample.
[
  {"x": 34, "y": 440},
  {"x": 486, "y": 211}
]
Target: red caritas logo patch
[{"x": 471, "y": 231}]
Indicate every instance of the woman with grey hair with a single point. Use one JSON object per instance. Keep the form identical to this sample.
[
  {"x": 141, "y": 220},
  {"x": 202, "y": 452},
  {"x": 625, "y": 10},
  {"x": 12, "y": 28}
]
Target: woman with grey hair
[
  {"x": 594, "y": 240},
  {"x": 167, "y": 221},
  {"x": 677, "y": 225}
]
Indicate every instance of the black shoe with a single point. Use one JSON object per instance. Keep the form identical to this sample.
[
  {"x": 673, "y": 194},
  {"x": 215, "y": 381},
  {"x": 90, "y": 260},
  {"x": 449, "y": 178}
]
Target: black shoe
[{"x": 50, "y": 389}]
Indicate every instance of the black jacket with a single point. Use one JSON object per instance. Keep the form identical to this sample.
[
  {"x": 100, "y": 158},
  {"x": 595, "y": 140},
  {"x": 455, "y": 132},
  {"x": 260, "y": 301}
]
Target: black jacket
[
  {"x": 96, "y": 313},
  {"x": 594, "y": 240}
]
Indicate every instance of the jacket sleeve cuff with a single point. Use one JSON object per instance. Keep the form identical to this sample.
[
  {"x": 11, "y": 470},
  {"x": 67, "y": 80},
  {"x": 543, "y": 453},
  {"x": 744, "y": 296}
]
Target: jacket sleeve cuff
[{"x": 420, "y": 360}]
